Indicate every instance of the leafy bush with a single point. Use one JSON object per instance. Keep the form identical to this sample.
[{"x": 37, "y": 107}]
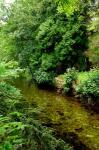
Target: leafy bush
[
  {"x": 7, "y": 89},
  {"x": 43, "y": 77},
  {"x": 69, "y": 77},
  {"x": 24, "y": 132},
  {"x": 9, "y": 98},
  {"x": 89, "y": 85},
  {"x": 19, "y": 128},
  {"x": 9, "y": 69}
]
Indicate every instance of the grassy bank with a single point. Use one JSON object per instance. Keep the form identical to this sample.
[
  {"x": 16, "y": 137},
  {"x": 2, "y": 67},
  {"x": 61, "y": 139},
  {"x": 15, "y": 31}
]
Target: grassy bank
[{"x": 82, "y": 84}]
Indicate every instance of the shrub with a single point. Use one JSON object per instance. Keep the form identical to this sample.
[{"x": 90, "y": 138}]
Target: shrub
[
  {"x": 69, "y": 77},
  {"x": 43, "y": 77},
  {"x": 27, "y": 134},
  {"x": 89, "y": 85},
  {"x": 19, "y": 128}
]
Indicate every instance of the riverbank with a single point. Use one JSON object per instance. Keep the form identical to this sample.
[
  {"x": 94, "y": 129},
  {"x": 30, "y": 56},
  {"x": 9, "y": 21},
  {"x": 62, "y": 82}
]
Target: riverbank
[{"x": 84, "y": 86}]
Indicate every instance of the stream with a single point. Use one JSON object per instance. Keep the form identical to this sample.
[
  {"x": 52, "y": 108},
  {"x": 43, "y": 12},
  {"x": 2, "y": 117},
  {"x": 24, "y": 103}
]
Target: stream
[{"x": 70, "y": 120}]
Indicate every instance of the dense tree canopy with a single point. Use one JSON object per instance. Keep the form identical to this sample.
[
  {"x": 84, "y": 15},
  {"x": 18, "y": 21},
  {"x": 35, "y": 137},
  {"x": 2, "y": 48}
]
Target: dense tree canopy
[{"x": 45, "y": 40}]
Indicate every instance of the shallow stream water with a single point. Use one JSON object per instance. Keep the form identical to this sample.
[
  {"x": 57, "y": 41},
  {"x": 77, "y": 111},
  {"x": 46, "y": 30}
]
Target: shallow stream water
[{"x": 70, "y": 120}]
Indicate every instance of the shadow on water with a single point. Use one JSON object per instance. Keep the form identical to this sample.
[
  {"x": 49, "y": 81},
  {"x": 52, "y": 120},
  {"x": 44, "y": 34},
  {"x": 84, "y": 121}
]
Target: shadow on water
[{"x": 66, "y": 116}]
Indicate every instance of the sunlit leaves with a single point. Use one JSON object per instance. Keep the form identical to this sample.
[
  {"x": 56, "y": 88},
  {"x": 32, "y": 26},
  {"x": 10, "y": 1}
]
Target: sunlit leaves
[
  {"x": 8, "y": 70},
  {"x": 68, "y": 6},
  {"x": 89, "y": 84}
]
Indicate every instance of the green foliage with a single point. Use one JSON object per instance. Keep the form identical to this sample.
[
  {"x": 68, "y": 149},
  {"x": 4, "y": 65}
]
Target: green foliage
[
  {"x": 9, "y": 69},
  {"x": 93, "y": 27},
  {"x": 19, "y": 128},
  {"x": 43, "y": 77},
  {"x": 9, "y": 98},
  {"x": 3, "y": 10},
  {"x": 47, "y": 37},
  {"x": 88, "y": 85},
  {"x": 9, "y": 90},
  {"x": 69, "y": 77},
  {"x": 93, "y": 52},
  {"x": 68, "y": 6},
  {"x": 71, "y": 6},
  {"x": 27, "y": 134},
  {"x": 49, "y": 63},
  {"x": 41, "y": 38}
]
